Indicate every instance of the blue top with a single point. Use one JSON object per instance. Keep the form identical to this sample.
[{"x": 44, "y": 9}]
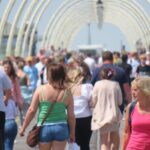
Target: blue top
[
  {"x": 120, "y": 75},
  {"x": 32, "y": 73}
]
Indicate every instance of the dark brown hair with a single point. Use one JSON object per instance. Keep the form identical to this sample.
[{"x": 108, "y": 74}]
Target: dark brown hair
[
  {"x": 106, "y": 73},
  {"x": 85, "y": 72},
  {"x": 56, "y": 75},
  {"x": 107, "y": 55},
  {"x": 12, "y": 73}
]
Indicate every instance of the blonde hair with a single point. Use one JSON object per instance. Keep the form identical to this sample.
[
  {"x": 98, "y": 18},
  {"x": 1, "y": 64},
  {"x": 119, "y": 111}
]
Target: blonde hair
[
  {"x": 143, "y": 83},
  {"x": 74, "y": 74}
]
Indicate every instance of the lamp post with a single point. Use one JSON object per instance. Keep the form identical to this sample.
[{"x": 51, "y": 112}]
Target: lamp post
[
  {"x": 100, "y": 13},
  {"x": 89, "y": 33}
]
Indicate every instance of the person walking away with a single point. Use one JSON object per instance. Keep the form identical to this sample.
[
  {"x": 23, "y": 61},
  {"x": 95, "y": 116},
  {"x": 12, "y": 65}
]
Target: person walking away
[
  {"x": 59, "y": 126},
  {"x": 5, "y": 87},
  {"x": 136, "y": 133},
  {"x": 143, "y": 69},
  {"x": 107, "y": 98},
  {"x": 90, "y": 62},
  {"x": 134, "y": 62},
  {"x": 24, "y": 83},
  {"x": 11, "y": 127},
  {"x": 32, "y": 73},
  {"x": 119, "y": 76},
  {"x": 16, "y": 91},
  {"x": 126, "y": 67},
  {"x": 82, "y": 95}
]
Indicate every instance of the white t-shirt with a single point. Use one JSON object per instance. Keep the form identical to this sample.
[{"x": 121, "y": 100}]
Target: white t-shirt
[
  {"x": 81, "y": 103},
  {"x": 91, "y": 63},
  {"x": 39, "y": 67},
  {"x": 5, "y": 84}
]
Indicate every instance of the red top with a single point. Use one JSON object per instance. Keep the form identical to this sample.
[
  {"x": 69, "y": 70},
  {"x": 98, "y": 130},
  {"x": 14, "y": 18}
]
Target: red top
[{"x": 140, "y": 134}]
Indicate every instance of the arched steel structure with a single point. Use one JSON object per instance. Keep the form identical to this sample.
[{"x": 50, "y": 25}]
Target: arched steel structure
[
  {"x": 36, "y": 24},
  {"x": 138, "y": 14},
  {"x": 50, "y": 22},
  {"x": 84, "y": 15},
  {"x": 42, "y": 6},
  {"x": 73, "y": 22},
  {"x": 78, "y": 23},
  {"x": 5, "y": 18},
  {"x": 72, "y": 34},
  {"x": 68, "y": 19},
  {"x": 23, "y": 26},
  {"x": 30, "y": 25},
  {"x": 59, "y": 16},
  {"x": 143, "y": 25},
  {"x": 14, "y": 24}
]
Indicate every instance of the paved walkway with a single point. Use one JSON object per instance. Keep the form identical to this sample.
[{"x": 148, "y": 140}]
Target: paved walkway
[{"x": 20, "y": 143}]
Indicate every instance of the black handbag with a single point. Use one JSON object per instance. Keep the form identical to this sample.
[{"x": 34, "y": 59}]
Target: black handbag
[{"x": 32, "y": 137}]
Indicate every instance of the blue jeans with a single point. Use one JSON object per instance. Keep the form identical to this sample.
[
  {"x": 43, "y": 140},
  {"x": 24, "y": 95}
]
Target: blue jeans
[
  {"x": 10, "y": 133},
  {"x": 56, "y": 132}
]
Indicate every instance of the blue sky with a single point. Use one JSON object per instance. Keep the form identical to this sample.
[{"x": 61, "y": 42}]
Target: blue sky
[{"x": 109, "y": 36}]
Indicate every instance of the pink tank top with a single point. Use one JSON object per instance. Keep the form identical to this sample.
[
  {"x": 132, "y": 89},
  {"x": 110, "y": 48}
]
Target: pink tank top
[{"x": 140, "y": 134}]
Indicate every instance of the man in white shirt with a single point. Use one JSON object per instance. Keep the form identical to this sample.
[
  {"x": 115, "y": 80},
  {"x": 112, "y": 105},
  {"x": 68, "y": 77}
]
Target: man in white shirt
[
  {"x": 90, "y": 62},
  {"x": 5, "y": 88},
  {"x": 41, "y": 69}
]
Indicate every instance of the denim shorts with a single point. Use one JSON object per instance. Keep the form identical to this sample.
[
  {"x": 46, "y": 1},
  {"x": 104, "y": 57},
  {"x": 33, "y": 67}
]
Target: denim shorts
[{"x": 55, "y": 132}]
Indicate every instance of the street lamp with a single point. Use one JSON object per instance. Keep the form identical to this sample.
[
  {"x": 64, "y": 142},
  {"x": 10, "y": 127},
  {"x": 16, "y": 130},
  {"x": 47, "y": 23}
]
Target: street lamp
[
  {"x": 99, "y": 2},
  {"x": 100, "y": 13}
]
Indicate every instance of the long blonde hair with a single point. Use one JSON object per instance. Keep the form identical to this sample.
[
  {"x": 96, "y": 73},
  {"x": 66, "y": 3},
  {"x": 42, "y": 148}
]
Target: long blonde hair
[{"x": 143, "y": 83}]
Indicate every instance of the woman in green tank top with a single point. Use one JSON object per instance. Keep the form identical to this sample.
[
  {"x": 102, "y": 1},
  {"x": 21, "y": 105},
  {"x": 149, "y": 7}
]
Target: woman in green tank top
[{"x": 59, "y": 126}]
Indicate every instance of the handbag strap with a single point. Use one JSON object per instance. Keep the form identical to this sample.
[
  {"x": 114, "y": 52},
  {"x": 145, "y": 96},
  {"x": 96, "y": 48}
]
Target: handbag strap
[{"x": 50, "y": 109}]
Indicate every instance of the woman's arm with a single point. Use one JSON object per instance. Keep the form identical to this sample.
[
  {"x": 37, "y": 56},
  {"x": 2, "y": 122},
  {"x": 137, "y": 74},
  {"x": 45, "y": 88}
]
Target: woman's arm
[
  {"x": 94, "y": 96},
  {"x": 126, "y": 131},
  {"x": 71, "y": 117},
  {"x": 17, "y": 93},
  {"x": 119, "y": 95},
  {"x": 28, "y": 80},
  {"x": 31, "y": 112}
]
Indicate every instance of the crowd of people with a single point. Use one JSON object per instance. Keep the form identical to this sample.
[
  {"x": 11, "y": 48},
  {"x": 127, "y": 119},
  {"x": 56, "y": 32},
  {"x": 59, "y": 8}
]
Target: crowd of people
[{"x": 89, "y": 94}]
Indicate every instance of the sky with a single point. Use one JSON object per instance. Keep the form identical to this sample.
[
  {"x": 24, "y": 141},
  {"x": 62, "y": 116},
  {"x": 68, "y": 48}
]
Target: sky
[{"x": 109, "y": 35}]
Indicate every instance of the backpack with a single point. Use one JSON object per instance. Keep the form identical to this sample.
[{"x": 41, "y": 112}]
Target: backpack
[{"x": 130, "y": 111}]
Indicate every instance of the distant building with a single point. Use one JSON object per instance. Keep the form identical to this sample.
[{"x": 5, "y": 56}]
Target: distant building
[{"x": 94, "y": 50}]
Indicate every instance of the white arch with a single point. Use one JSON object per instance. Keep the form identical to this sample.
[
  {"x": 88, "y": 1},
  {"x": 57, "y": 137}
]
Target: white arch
[
  {"x": 40, "y": 9},
  {"x": 4, "y": 18},
  {"x": 73, "y": 24},
  {"x": 63, "y": 25},
  {"x": 129, "y": 21},
  {"x": 34, "y": 14},
  {"x": 84, "y": 12},
  {"x": 71, "y": 33},
  {"x": 137, "y": 13},
  {"x": 116, "y": 2},
  {"x": 36, "y": 24},
  {"x": 138, "y": 18},
  {"x": 22, "y": 27},
  {"x": 52, "y": 25},
  {"x": 51, "y": 20},
  {"x": 14, "y": 24}
]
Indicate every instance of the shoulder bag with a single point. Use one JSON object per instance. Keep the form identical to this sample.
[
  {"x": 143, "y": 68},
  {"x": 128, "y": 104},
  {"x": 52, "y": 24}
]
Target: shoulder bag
[{"x": 33, "y": 135}]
